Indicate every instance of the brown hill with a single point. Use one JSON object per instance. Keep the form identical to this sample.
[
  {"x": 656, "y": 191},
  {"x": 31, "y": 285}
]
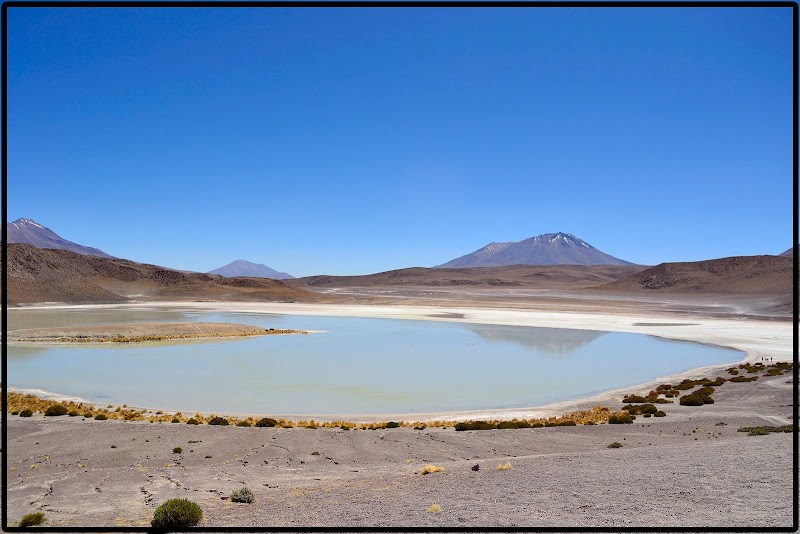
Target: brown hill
[
  {"x": 522, "y": 276},
  {"x": 44, "y": 275},
  {"x": 768, "y": 275}
]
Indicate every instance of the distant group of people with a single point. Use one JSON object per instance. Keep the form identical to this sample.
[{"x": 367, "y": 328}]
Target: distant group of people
[{"x": 765, "y": 359}]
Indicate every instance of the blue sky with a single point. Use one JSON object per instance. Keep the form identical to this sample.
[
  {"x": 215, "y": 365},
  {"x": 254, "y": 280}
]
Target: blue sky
[{"x": 351, "y": 141}]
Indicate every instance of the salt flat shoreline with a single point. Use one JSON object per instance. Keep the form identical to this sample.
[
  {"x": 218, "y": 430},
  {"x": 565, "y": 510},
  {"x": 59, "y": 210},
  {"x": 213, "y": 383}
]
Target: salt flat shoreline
[{"x": 756, "y": 338}]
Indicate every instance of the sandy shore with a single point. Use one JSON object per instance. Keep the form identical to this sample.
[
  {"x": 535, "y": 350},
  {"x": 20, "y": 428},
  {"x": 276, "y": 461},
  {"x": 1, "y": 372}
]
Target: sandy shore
[{"x": 684, "y": 470}]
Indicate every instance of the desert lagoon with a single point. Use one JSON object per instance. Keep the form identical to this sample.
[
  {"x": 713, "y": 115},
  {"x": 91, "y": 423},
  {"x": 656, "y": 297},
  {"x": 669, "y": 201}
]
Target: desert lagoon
[{"x": 348, "y": 365}]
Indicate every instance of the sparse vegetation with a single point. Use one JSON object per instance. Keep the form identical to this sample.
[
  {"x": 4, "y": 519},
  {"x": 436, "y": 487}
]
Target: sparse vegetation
[
  {"x": 504, "y": 467},
  {"x": 26, "y": 413},
  {"x": 267, "y": 422},
  {"x": 192, "y": 421},
  {"x": 177, "y": 513},
  {"x": 178, "y": 450},
  {"x": 243, "y": 495},
  {"x": 221, "y": 421},
  {"x": 764, "y": 430},
  {"x": 615, "y": 445},
  {"x": 435, "y": 508},
  {"x": 392, "y": 424},
  {"x": 243, "y": 423},
  {"x": 620, "y": 419},
  {"x": 32, "y": 520},
  {"x": 101, "y": 417}
]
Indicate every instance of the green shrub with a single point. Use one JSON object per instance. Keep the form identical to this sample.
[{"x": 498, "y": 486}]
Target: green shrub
[
  {"x": 32, "y": 520},
  {"x": 513, "y": 424},
  {"x": 615, "y": 445},
  {"x": 743, "y": 379},
  {"x": 243, "y": 495},
  {"x": 620, "y": 419},
  {"x": 649, "y": 408},
  {"x": 177, "y": 450},
  {"x": 55, "y": 410},
  {"x": 73, "y": 413},
  {"x": 243, "y": 423},
  {"x": 659, "y": 413},
  {"x": 25, "y": 413},
  {"x": 177, "y": 513},
  {"x": 315, "y": 453},
  {"x": 192, "y": 421},
  {"x": 633, "y": 398},
  {"x": 15, "y": 412},
  {"x": 475, "y": 425},
  {"x": 266, "y": 422},
  {"x": 101, "y": 417},
  {"x": 218, "y": 421},
  {"x": 764, "y": 430},
  {"x": 175, "y": 420},
  {"x": 392, "y": 424}
]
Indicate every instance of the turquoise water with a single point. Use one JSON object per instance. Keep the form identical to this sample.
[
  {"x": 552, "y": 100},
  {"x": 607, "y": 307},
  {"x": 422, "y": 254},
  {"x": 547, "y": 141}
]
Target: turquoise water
[{"x": 357, "y": 366}]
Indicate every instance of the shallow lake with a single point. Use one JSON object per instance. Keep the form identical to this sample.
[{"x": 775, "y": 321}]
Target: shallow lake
[{"x": 356, "y": 366}]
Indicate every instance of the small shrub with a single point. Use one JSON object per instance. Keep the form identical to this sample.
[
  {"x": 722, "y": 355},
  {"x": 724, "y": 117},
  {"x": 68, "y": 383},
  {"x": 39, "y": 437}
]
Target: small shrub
[
  {"x": 101, "y": 417},
  {"x": 177, "y": 450},
  {"x": 620, "y": 419},
  {"x": 177, "y": 513},
  {"x": 243, "y": 495},
  {"x": 721, "y": 423},
  {"x": 430, "y": 468},
  {"x": 32, "y": 520},
  {"x": 743, "y": 379},
  {"x": 113, "y": 446},
  {"x": 25, "y": 413},
  {"x": 243, "y": 423},
  {"x": 266, "y": 422},
  {"x": 218, "y": 421},
  {"x": 764, "y": 430},
  {"x": 175, "y": 420},
  {"x": 615, "y": 445},
  {"x": 475, "y": 425},
  {"x": 15, "y": 412},
  {"x": 72, "y": 413},
  {"x": 315, "y": 453},
  {"x": 633, "y": 398},
  {"x": 504, "y": 467},
  {"x": 659, "y": 413},
  {"x": 435, "y": 508},
  {"x": 392, "y": 424},
  {"x": 192, "y": 421},
  {"x": 513, "y": 424}
]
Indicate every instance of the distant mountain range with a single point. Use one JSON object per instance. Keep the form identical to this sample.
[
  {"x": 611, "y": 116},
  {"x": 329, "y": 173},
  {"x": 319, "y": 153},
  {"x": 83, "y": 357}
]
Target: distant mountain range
[
  {"x": 246, "y": 268},
  {"x": 545, "y": 249},
  {"x": 30, "y": 232},
  {"x": 788, "y": 253}
]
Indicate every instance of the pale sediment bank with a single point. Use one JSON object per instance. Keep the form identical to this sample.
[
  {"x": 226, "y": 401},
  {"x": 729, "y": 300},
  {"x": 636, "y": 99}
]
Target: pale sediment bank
[
  {"x": 757, "y": 338},
  {"x": 140, "y": 332}
]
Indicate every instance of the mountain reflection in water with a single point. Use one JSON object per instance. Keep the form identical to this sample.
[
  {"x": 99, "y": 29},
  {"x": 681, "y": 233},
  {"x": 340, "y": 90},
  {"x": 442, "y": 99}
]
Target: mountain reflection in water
[{"x": 555, "y": 341}]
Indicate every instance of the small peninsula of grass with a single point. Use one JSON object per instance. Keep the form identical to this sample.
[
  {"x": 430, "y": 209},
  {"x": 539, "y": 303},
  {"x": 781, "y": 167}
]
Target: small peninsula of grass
[{"x": 142, "y": 332}]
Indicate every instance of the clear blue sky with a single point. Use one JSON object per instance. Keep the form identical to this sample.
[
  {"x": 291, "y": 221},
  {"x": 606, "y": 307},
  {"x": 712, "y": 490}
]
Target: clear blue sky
[{"x": 351, "y": 141}]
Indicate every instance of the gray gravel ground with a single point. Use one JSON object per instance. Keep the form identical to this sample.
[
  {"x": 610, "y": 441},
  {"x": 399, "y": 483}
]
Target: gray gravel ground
[{"x": 677, "y": 471}]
